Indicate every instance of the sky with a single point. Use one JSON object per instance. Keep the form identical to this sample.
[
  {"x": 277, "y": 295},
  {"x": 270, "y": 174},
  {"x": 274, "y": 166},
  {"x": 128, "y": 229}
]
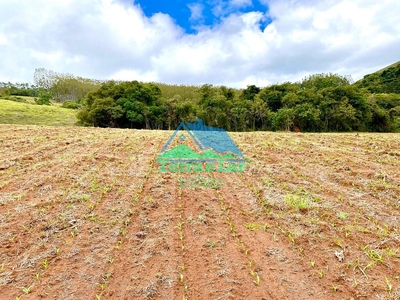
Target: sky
[{"x": 192, "y": 42}]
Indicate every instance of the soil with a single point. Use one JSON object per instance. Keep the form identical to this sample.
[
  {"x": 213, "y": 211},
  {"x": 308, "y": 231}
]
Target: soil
[{"x": 86, "y": 214}]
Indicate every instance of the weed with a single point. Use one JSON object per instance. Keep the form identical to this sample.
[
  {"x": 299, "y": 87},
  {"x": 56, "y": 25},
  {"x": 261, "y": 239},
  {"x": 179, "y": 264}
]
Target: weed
[
  {"x": 374, "y": 255},
  {"x": 297, "y": 202},
  {"x": 338, "y": 242},
  {"x": 342, "y": 215},
  {"x": 251, "y": 226},
  {"x": 212, "y": 244}
]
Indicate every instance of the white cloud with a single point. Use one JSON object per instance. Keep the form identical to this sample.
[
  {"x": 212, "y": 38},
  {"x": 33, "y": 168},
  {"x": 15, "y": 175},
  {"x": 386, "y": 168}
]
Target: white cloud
[
  {"x": 196, "y": 11},
  {"x": 114, "y": 39},
  {"x": 240, "y": 3}
]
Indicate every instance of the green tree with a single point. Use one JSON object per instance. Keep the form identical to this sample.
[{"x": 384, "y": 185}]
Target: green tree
[
  {"x": 283, "y": 119},
  {"x": 44, "y": 97},
  {"x": 308, "y": 117},
  {"x": 104, "y": 113}
]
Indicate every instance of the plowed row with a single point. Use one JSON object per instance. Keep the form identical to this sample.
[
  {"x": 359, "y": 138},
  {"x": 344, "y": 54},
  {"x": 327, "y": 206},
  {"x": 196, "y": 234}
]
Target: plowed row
[{"x": 85, "y": 214}]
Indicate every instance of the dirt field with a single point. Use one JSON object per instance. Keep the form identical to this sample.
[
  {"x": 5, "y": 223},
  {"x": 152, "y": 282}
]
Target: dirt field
[{"x": 85, "y": 214}]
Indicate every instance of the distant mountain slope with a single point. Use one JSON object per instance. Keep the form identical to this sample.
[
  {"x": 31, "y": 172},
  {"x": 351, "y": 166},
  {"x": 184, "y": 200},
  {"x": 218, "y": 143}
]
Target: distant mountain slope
[{"x": 386, "y": 80}]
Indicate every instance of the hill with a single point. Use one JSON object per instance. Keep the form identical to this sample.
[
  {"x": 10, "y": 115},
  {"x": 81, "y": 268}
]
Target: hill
[
  {"x": 386, "y": 80},
  {"x": 27, "y": 113},
  {"x": 390, "y": 66}
]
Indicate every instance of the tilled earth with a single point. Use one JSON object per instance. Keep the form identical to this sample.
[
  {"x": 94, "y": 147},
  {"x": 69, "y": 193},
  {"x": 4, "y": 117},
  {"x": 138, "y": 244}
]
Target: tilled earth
[{"x": 86, "y": 214}]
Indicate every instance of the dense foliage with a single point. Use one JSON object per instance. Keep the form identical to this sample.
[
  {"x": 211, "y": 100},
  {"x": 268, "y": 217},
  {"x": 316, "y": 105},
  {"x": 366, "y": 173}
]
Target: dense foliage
[
  {"x": 386, "y": 81},
  {"x": 319, "y": 103}
]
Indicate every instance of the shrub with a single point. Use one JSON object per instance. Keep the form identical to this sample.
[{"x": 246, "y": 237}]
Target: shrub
[{"x": 71, "y": 104}]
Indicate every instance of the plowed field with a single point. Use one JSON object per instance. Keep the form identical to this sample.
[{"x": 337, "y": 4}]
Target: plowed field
[{"x": 86, "y": 214}]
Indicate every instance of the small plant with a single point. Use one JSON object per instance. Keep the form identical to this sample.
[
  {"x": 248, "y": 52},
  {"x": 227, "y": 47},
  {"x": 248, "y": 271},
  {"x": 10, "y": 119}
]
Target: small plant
[
  {"x": 257, "y": 280},
  {"x": 297, "y": 202},
  {"x": 342, "y": 215},
  {"x": 312, "y": 263},
  {"x": 45, "y": 264},
  {"x": 110, "y": 260},
  {"x": 27, "y": 290},
  {"x": 212, "y": 244},
  {"x": 291, "y": 238},
  {"x": 388, "y": 285},
  {"x": 338, "y": 242},
  {"x": 36, "y": 276},
  {"x": 180, "y": 225},
  {"x": 251, "y": 226},
  {"x": 374, "y": 255},
  {"x": 335, "y": 287},
  {"x": 320, "y": 273}
]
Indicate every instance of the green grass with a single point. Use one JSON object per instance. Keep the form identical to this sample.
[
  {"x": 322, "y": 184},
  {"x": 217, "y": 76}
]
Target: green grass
[{"x": 12, "y": 112}]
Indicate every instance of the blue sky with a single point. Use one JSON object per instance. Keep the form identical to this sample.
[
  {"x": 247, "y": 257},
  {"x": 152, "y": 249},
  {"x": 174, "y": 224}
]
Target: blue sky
[
  {"x": 194, "y": 15},
  {"x": 221, "y": 42}
]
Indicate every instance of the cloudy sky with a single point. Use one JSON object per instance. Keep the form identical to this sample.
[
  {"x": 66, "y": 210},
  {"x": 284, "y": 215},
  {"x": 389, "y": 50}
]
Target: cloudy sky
[{"x": 222, "y": 42}]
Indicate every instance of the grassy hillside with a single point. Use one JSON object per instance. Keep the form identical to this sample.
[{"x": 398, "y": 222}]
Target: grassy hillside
[
  {"x": 12, "y": 112},
  {"x": 385, "y": 68}
]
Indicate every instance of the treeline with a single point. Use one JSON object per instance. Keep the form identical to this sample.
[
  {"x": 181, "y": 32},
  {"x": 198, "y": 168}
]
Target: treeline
[
  {"x": 65, "y": 86},
  {"x": 18, "y": 89},
  {"x": 319, "y": 103}
]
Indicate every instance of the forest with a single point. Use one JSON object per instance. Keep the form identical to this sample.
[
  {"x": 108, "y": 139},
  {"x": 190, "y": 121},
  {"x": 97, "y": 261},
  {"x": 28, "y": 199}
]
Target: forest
[{"x": 318, "y": 103}]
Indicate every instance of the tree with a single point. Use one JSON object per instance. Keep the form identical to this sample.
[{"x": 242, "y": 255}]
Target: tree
[
  {"x": 105, "y": 113},
  {"x": 250, "y": 92},
  {"x": 44, "y": 97},
  {"x": 323, "y": 81},
  {"x": 283, "y": 119},
  {"x": 261, "y": 113},
  {"x": 308, "y": 117}
]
